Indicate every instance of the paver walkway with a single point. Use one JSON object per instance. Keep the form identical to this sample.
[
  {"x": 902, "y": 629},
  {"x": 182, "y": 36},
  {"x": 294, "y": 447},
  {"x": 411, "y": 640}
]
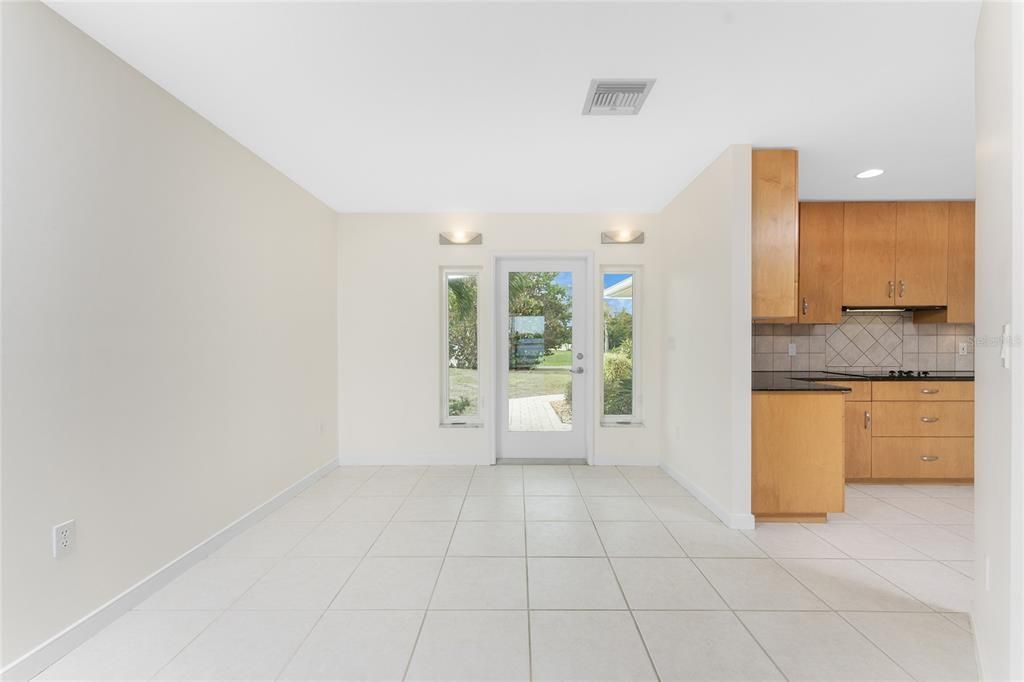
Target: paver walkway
[{"x": 535, "y": 414}]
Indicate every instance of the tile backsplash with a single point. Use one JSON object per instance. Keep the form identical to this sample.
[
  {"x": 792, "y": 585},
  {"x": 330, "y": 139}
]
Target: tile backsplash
[{"x": 864, "y": 342}]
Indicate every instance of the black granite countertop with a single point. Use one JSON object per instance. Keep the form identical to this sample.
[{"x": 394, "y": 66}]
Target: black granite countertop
[{"x": 818, "y": 381}]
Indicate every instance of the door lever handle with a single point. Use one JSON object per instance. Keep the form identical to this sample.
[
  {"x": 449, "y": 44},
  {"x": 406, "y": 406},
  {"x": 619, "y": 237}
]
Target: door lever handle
[{"x": 578, "y": 370}]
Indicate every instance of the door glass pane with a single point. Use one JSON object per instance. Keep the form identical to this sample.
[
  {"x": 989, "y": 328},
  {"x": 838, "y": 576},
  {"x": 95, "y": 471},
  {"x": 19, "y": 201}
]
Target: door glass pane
[
  {"x": 540, "y": 351},
  {"x": 618, "y": 344},
  {"x": 463, "y": 372}
]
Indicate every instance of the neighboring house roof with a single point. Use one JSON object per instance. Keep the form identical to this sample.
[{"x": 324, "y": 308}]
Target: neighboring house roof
[{"x": 621, "y": 289}]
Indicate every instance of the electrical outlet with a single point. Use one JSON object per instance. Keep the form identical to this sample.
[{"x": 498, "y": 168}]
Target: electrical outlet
[
  {"x": 962, "y": 350},
  {"x": 792, "y": 349},
  {"x": 63, "y": 539}
]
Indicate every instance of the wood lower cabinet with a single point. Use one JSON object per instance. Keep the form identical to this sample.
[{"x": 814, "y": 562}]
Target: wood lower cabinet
[
  {"x": 775, "y": 234},
  {"x": 922, "y": 242},
  {"x": 922, "y": 419},
  {"x": 821, "y": 262},
  {"x": 797, "y": 455},
  {"x": 857, "y": 441},
  {"x": 923, "y": 458}
]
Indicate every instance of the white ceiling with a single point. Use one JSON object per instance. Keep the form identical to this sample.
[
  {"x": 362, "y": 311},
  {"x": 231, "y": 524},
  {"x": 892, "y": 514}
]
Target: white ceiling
[{"x": 476, "y": 106}]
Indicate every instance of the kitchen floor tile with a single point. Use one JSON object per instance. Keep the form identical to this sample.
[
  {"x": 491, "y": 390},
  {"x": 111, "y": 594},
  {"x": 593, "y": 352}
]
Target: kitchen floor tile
[
  {"x": 340, "y": 539},
  {"x": 134, "y": 647},
  {"x": 562, "y": 538},
  {"x": 357, "y": 645},
  {"x": 492, "y": 508},
  {"x": 926, "y": 645},
  {"x": 481, "y": 583},
  {"x": 366, "y": 509},
  {"x": 870, "y": 510},
  {"x": 472, "y": 645},
  {"x": 934, "y": 510},
  {"x": 429, "y": 509},
  {"x": 555, "y": 508},
  {"x": 931, "y": 582},
  {"x": 864, "y": 542},
  {"x": 587, "y": 645},
  {"x": 791, "y": 540},
  {"x": 390, "y": 583},
  {"x": 619, "y": 509},
  {"x": 617, "y": 487},
  {"x": 845, "y": 584},
  {"x": 242, "y": 645},
  {"x": 934, "y": 541},
  {"x": 637, "y": 539},
  {"x": 659, "y": 487},
  {"x": 713, "y": 540},
  {"x": 819, "y": 646},
  {"x": 575, "y": 583},
  {"x": 298, "y": 584},
  {"x": 266, "y": 539},
  {"x": 665, "y": 584},
  {"x": 441, "y": 486},
  {"x": 551, "y": 486},
  {"x": 496, "y": 485},
  {"x": 757, "y": 584},
  {"x": 414, "y": 538},
  {"x": 211, "y": 585},
  {"x": 679, "y": 509},
  {"x": 488, "y": 538},
  {"x": 703, "y": 645}
]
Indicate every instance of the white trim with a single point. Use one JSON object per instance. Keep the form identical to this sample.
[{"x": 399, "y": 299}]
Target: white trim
[
  {"x": 590, "y": 277},
  {"x": 636, "y": 276},
  {"x": 469, "y": 421},
  {"x": 49, "y": 652},
  {"x": 737, "y": 521}
]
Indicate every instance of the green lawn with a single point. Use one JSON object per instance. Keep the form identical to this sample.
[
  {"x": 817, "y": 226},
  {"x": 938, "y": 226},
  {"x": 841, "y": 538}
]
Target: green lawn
[
  {"x": 560, "y": 358},
  {"x": 522, "y": 383}
]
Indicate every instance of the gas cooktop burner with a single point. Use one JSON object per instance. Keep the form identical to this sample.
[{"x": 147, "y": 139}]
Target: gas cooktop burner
[{"x": 906, "y": 374}]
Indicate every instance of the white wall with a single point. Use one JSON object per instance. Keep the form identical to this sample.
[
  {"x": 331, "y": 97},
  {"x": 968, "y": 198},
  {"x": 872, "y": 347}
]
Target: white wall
[
  {"x": 705, "y": 262},
  {"x": 999, "y": 408},
  {"x": 390, "y": 345},
  {"x": 168, "y": 336}
]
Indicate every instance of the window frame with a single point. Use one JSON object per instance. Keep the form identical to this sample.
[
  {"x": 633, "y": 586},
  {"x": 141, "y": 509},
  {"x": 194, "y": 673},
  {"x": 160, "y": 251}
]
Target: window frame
[
  {"x": 459, "y": 421},
  {"x": 636, "y": 417}
]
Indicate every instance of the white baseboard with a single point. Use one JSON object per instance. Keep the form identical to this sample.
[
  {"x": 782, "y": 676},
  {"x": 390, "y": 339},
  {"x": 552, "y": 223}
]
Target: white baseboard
[
  {"x": 52, "y": 650},
  {"x": 739, "y": 521}
]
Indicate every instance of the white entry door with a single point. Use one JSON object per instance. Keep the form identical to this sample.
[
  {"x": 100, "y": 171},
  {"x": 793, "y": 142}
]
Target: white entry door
[{"x": 543, "y": 358}]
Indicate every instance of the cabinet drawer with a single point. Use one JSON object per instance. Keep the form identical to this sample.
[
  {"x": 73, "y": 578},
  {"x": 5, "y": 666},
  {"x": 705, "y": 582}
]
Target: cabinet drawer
[
  {"x": 923, "y": 390},
  {"x": 922, "y": 458},
  {"x": 922, "y": 419}
]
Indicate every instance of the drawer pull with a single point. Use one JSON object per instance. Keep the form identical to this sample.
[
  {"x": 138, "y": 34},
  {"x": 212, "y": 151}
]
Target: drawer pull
[
  {"x": 929, "y": 420},
  {"x": 929, "y": 458},
  {"x": 867, "y": 419},
  {"x": 929, "y": 391}
]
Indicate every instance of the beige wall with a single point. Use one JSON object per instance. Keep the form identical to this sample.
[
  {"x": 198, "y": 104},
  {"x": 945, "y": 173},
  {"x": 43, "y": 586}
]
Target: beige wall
[
  {"x": 169, "y": 315},
  {"x": 705, "y": 263},
  {"x": 390, "y": 345}
]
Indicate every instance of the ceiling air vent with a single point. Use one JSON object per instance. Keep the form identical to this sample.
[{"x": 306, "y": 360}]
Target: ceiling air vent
[{"x": 616, "y": 96}]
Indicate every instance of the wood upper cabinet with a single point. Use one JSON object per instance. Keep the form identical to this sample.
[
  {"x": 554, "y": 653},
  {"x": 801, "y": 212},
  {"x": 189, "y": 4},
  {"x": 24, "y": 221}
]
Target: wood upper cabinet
[
  {"x": 821, "y": 262},
  {"x": 922, "y": 243},
  {"x": 775, "y": 234},
  {"x": 960, "y": 279},
  {"x": 869, "y": 254}
]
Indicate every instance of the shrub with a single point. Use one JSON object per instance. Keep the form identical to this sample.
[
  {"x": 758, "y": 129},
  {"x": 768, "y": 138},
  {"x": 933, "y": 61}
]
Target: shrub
[
  {"x": 457, "y": 406},
  {"x": 618, "y": 382}
]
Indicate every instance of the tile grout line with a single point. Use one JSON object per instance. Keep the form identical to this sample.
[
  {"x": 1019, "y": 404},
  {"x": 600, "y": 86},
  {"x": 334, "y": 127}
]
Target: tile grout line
[
  {"x": 327, "y": 608},
  {"x": 437, "y": 579},
  {"x": 717, "y": 592},
  {"x": 611, "y": 567}
]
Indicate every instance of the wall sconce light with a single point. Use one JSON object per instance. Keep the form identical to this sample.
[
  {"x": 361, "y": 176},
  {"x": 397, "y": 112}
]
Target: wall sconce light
[
  {"x": 622, "y": 237},
  {"x": 460, "y": 238}
]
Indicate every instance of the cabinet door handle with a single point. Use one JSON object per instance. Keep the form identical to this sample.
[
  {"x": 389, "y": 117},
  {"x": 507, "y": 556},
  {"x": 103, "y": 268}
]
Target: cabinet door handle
[
  {"x": 929, "y": 458},
  {"x": 867, "y": 419},
  {"x": 929, "y": 420},
  {"x": 929, "y": 391},
  {"x": 892, "y": 289},
  {"x": 903, "y": 288},
  {"x": 804, "y": 305}
]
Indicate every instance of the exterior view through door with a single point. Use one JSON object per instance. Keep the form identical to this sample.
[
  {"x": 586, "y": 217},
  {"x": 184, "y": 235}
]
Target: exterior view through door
[{"x": 545, "y": 358}]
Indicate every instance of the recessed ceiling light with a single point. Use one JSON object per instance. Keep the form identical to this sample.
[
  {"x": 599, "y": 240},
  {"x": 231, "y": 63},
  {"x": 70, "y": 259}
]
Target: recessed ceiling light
[{"x": 870, "y": 173}]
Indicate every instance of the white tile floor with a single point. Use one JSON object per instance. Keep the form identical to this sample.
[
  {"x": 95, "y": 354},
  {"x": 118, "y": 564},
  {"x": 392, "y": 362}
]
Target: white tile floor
[{"x": 416, "y": 573}]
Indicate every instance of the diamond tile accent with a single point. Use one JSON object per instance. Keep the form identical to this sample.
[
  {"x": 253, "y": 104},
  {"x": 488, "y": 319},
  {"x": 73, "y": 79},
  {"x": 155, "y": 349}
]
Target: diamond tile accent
[{"x": 866, "y": 341}]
